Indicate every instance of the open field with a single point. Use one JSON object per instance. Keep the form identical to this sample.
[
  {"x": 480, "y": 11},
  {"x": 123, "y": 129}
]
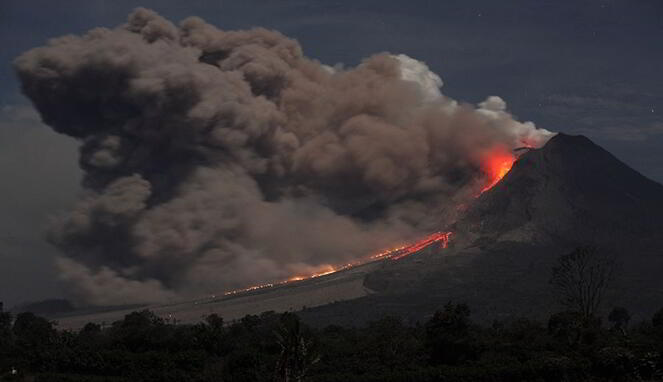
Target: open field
[{"x": 340, "y": 286}]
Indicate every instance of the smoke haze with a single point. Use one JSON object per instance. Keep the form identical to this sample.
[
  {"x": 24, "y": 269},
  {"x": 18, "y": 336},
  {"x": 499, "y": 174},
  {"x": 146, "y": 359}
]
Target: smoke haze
[{"x": 218, "y": 159}]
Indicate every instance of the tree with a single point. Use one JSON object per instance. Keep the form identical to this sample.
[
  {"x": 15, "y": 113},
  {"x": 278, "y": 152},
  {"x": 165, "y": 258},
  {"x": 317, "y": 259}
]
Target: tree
[
  {"x": 619, "y": 317},
  {"x": 5, "y": 327},
  {"x": 6, "y": 338},
  {"x": 448, "y": 335},
  {"x": 581, "y": 279},
  {"x": 211, "y": 335},
  {"x": 657, "y": 319},
  {"x": 215, "y": 322},
  {"x": 34, "y": 331},
  {"x": 567, "y": 326},
  {"x": 390, "y": 344},
  {"x": 139, "y": 331},
  {"x": 35, "y": 340},
  {"x": 297, "y": 355}
]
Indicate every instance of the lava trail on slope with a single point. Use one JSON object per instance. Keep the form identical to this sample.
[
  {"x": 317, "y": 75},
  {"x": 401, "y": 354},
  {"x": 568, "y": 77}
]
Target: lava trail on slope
[{"x": 396, "y": 253}]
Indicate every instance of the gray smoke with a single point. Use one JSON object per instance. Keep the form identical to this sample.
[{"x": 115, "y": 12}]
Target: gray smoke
[{"x": 217, "y": 159}]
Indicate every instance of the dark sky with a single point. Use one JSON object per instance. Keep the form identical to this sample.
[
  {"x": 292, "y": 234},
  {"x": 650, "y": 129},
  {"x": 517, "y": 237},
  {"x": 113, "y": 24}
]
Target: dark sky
[{"x": 588, "y": 67}]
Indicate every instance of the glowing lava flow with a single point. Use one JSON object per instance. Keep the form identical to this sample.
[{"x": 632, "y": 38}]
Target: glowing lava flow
[
  {"x": 392, "y": 254},
  {"x": 496, "y": 167},
  {"x": 441, "y": 237}
]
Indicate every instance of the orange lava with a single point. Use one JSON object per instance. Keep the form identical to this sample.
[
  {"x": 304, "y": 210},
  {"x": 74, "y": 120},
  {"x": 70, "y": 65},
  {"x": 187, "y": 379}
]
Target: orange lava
[
  {"x": 392, "y": 254},
  {"x": 496, "y": 166},
  {"x": 438, "y": 237}
]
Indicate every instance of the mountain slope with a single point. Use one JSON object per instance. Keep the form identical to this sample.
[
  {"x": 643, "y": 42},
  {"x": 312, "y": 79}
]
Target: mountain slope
[
  {"x": 568, "y": 193},
  {"x": 571, "y": 189}
]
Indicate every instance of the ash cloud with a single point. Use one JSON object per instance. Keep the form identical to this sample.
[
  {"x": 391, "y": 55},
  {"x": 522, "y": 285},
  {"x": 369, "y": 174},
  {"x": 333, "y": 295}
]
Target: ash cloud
[{"x": 217, "y": 159}]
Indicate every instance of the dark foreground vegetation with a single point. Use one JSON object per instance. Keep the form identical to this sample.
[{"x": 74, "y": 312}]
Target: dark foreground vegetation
[{"x": 278, "y": 347}]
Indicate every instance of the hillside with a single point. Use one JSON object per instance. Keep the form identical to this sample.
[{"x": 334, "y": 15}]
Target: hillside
[{"x": 568, "y": 193}]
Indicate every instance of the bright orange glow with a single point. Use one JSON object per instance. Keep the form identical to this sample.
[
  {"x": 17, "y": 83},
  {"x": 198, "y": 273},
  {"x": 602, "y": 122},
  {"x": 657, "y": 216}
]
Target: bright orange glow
[
  {"x": 496, "y": 166},
  {"x": 438, "y": 237},
  {"x": 392, "y": 254}
]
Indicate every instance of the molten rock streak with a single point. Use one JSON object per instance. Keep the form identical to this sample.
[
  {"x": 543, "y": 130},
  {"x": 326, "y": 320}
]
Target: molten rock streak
[
  {"x": 438, "y": 237},
  {"x": 496, "y": 166},
  {"x": 218, "y": 159},
  {"x": 396, "y": 253}
]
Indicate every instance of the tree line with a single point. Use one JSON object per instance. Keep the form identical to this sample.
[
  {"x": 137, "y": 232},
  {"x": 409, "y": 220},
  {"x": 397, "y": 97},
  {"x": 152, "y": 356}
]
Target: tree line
[{"x": 575, "y": 344}]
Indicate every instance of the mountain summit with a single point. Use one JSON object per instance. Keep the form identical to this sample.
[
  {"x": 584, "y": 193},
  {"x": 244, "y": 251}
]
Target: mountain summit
[{"x": 570, "y": 189}]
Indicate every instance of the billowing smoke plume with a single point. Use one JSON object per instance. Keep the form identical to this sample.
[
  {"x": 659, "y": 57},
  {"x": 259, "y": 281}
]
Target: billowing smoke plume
[{"x": 215, "y": 159}]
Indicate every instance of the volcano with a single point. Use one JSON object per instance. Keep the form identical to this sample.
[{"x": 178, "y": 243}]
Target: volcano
[
  {"x": 571, "y": 190},
  {"x": 497, "y": 256},
  {"x": 568, "y": 193}
]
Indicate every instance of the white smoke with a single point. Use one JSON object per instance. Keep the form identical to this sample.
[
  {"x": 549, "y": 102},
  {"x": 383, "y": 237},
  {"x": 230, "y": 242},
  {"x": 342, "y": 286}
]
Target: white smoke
[{"x": 418, "y": 72}]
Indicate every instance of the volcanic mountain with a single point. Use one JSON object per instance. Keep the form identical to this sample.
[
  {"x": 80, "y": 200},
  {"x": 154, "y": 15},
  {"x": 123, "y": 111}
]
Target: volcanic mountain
[
  {"x": 571, "y": 190},
  {"x": 498, "y": 257},
  {"x": 568, "y": 193}
]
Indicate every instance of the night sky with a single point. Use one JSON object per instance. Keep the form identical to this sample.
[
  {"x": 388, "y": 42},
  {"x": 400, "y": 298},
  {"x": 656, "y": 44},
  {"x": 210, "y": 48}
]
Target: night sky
[{"x": 589, "y": 67}]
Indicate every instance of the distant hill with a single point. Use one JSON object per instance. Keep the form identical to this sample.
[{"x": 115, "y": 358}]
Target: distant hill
[{"x": 45, "y": 307}]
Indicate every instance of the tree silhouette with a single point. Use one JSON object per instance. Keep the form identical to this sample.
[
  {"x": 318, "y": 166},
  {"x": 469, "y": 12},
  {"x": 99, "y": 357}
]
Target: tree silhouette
[
  {"x": 657, "y": 319},
  {"x": 297, "y": 354},
  {"x": 581, "y": 279},
  {"x": 6, "y": 339},
  {"x": 448, "y": 335},
  {"x": 619, "y": 317}
]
